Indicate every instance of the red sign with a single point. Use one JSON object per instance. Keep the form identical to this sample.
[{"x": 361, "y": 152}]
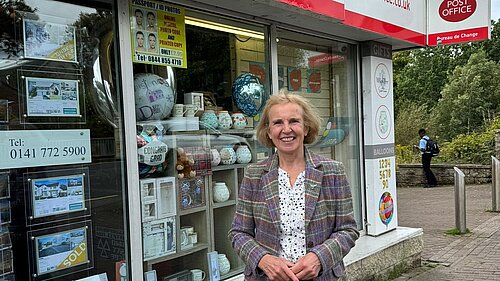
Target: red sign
[
  {"x": 295, "y": 80},
  {"x": 460, "y": 36},
  {"x": 325, "y": 7},
  {"x": 314, "y": 82},
  {"x": 457, "y": 10},
  {"x": 325, "y": 59},
  {"x": 259, "y": 72}
]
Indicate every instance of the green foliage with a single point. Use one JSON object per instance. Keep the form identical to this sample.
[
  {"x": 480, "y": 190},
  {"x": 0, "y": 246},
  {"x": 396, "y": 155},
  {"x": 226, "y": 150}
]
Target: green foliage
[
  {"x": 411, "y": 117},
  {"x": 470, "y": 99},
  {"x": 420, "y": 75},
  {"x": 492, "y": 47},
  {"x": 474, "y": 148},
  {"x": 406, "y": 154}
]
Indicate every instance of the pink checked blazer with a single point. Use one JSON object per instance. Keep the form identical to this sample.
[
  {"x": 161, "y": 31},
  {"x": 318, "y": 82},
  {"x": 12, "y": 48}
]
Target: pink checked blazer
[{"x": 331, "y": 230}]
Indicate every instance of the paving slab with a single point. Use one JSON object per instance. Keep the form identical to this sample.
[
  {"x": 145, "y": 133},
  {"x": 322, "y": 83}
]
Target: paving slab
[{"x": 472, "y": 256}]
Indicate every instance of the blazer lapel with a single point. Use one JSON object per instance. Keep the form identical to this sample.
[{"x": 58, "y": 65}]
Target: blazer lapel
[
  {"x": 312, "y": 186},
  {"x": 271, "y": 188}
]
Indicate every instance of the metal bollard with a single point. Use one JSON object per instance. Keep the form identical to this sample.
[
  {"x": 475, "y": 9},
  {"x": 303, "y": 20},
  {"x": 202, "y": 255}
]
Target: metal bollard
[
  {"x": 495, "y": 184},
  {"x": 460, "y": 222}
]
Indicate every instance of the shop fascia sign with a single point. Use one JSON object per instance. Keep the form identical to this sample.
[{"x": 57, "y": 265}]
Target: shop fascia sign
[
  {"x": 458, "y": 21},
  {"x": 331, "y": 8},
  {"x": 430, "y": 22}
]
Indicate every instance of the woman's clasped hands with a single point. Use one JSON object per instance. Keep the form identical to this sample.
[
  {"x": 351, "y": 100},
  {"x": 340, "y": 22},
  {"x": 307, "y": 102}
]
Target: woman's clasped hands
[{"x": 280, "y": 269}]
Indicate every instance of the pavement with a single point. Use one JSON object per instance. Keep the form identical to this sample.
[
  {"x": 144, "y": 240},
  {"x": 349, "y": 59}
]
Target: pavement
[{"x": 472, "y": 256}]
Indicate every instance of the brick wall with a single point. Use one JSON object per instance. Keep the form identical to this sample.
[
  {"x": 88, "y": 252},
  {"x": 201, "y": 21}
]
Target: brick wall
[{"x": 408, "y": 175}]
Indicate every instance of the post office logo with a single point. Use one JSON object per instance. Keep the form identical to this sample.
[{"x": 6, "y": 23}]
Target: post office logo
[{"x": 457, "y": 10}]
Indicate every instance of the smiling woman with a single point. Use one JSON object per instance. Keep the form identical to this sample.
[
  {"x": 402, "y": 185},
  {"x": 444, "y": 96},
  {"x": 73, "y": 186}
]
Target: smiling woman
[{"x": 293, "y": 181}]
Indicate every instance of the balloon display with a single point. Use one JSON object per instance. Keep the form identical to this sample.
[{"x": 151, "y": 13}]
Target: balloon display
[
  {"x": 154, "y": 97},
  {"x": 249, "y": 94}
]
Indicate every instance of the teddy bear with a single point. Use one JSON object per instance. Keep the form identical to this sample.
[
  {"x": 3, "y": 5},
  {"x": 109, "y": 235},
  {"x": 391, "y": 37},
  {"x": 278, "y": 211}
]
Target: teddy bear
[{"x": 185, "y": 164}]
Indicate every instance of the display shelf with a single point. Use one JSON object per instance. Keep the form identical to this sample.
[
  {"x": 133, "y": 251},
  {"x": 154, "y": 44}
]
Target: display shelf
[
  {"x": 197, "y": 248},
  {"x": 221, "y": 167},
  {"x": 211, "y": 220},
  {"x": 195, "y": 258},
  {"x": 233, "y": 272},
  {"x": 222, "y": 243},
  {"x": 192, "y": 210},
  {"x": 224, "y": 204}
]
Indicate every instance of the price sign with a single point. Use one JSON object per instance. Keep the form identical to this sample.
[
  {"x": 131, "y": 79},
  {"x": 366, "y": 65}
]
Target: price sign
[
  {"x": 34, "y": 148},
  {"x": 384, "y": 172}
]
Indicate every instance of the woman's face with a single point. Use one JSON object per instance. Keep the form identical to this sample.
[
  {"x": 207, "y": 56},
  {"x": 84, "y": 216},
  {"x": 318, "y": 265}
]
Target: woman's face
[
  {"x": 151, "y": 20},
  {"x": 286, "y": 127},
  {"x": 138, "y": 18},
  {"x": 140, "y": 40},
  {"x": 152, "y": 42}
]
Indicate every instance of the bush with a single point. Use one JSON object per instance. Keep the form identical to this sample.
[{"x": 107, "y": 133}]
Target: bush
[
  {"x": 406, "y": 154},
  {"x": 473, "y": 148},
  {"x": 409, "y": 119}
]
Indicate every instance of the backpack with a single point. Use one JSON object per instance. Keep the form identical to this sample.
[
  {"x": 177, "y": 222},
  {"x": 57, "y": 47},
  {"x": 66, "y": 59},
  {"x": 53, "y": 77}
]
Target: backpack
[{"x": 432, "y": 147}]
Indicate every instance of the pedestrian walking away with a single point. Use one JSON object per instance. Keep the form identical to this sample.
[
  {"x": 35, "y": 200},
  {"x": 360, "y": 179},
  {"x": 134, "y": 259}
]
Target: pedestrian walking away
[{"x": 426, "y": 158}]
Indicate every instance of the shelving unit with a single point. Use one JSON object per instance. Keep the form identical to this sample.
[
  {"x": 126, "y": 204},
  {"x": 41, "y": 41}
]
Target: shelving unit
[{"x": 211, "y": 220}]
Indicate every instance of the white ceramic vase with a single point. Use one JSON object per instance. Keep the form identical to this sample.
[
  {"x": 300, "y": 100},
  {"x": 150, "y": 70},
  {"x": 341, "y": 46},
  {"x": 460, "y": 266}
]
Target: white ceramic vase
[
  {"x": 209, "y": 120},
  {"x": 215, "y": 160},
  {"x": 221, "y": 192},
  {"x": 243, "y": 154},
  {"x": 227, "y": 155},
  {"x": 224, "y": 265},
  {"x": 239, "y": 120},
  {"x": 224, "y": 119}
]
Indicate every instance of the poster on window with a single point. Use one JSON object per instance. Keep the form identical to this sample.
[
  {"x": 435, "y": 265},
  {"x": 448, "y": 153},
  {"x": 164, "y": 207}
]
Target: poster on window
[
  {"x": 158, "y": 33},
  {"x": 49, "y": 41},
  {"x": 61, "y": 250},
  {"x": 52, "y": 97},
  {"x": 294, "y": 79},
  {"x": 259, "y": 70},
  {"x": 52, "y": 196},
  {"x": 313, "y": 81}
]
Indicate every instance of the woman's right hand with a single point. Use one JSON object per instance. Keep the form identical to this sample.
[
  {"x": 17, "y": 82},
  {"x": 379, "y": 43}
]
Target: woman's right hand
[{"x": 277, "y": 268}]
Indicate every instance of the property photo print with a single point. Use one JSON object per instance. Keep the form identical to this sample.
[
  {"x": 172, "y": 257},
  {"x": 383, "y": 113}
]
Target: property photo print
[
  {"x": 6, "y": 262},
  {"x": 4, "y": 185},
  {"x": 49, "y": 41},
  {"x": 61, "y": 250},
  {"x": 52, "y": 97},
  {"x": 5, "y": 211},
  {"x": 5, "y": 241},
  {"x": 52, "y": 196}
]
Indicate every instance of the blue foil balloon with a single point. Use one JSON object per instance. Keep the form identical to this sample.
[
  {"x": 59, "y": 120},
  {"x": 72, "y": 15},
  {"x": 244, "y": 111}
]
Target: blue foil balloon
[{"x": 249, "y": 94}]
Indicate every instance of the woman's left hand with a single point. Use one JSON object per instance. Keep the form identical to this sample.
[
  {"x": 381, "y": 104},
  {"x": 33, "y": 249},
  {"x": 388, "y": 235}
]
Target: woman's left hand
[{"x": 307, "y": 267}]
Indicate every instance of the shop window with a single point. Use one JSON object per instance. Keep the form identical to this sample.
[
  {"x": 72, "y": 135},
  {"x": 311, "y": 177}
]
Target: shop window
[
  {"x": 208, "y": 131},
  {"x": 324, "y": 71}
]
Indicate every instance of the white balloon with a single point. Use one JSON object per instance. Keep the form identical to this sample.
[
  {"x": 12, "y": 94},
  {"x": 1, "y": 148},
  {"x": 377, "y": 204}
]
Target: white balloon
[{"x": 154, "y": 97}]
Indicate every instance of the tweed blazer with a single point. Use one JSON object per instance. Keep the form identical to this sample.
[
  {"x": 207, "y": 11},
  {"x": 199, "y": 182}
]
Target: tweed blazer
[{"x": 329, "y": 222}]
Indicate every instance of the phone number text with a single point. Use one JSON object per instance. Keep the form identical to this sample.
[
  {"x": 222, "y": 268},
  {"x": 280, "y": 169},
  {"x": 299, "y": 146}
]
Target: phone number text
[{"x": 47, "y": 152}]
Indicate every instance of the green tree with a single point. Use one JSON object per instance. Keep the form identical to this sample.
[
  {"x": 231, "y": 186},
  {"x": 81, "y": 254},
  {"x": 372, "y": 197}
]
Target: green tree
[
  {"x": 470, "y": 99},
  {"x": 421, "y": 74},
  {"x": 411, "y": 118},
  {"x": 492, "y": 47}
]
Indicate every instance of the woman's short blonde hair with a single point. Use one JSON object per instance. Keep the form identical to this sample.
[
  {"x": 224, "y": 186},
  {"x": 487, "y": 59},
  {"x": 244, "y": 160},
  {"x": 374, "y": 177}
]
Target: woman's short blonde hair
[{"x": 312, "y": 120}]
